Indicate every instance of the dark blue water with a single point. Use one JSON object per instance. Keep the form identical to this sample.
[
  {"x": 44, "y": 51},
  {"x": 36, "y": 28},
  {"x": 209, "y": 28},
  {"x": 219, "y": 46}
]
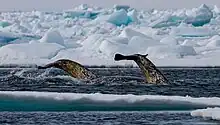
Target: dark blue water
[
  {"x": 193, "y": 82},
  {"x": 102, "y": 118}
]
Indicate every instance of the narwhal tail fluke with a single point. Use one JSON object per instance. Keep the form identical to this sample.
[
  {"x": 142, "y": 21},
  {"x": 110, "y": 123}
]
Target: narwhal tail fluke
[{"x": 119, "y": 57}]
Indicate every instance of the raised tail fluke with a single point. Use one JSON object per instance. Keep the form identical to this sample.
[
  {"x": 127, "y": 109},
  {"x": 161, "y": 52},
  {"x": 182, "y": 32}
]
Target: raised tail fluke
[
  {"x": 150, "y": 71},
  {"x": 119, "y": 57},
  {"x": 41, "y": 67}
]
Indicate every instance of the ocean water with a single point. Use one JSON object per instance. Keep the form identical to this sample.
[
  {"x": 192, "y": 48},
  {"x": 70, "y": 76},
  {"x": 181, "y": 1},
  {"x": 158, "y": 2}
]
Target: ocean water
[{"x": 14, "y": 109}]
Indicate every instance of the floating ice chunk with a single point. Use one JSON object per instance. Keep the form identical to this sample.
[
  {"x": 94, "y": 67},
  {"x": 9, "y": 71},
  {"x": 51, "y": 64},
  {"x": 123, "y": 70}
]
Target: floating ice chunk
[
  {"x": 129, "y": 33},
  {"x": 119, "y": 18},
  {"x": 121, "y": 7},
  {"x": 170, "y": 51},
  {"x": 213, "y": 113},
  {"x": 52, "y": 36},
  {"x": 170, "y": 40},
  {"x": 29, "y": 51},
  {"x": 199, "y": 16},
  {"x": 133, "y": 16},
  {"x": 140, "y": 44}
]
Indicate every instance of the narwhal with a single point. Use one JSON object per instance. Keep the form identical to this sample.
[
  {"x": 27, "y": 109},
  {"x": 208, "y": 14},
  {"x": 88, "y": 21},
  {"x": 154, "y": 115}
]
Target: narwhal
[
  {"x": 76, "y": 70},
  {"x": 150, "y": 71},
  {"x": 73, "y": 68}
]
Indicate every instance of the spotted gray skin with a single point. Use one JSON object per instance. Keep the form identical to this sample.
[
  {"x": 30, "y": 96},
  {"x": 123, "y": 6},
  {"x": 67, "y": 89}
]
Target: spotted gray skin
[
  {"x": 73, "y": 68},
  {"x": 151, "y": 73}
]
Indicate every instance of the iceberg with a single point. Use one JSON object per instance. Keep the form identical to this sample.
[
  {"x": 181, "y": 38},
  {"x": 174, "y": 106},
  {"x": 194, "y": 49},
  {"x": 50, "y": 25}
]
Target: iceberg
[
  {"x": 199, "y": 16},
  {"x": 119, "y": 18}
]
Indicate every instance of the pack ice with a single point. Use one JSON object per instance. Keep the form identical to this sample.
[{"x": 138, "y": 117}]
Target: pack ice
[{"x": 92, "y": 35}]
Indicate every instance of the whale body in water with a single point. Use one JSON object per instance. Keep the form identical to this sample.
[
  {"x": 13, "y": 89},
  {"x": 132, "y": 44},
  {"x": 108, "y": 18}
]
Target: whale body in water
[
  {"x": 150, "y": 71},
  {"x": 73, "y": 68}
]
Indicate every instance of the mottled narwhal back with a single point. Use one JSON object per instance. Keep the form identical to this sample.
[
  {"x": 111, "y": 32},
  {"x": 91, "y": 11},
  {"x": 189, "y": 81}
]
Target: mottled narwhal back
[
  {"x": 75, "y": 69},
  {"x": 152, "y": 74}
]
